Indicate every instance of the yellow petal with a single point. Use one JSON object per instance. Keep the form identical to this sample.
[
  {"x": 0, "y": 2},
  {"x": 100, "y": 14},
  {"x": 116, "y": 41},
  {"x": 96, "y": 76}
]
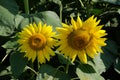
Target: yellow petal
[
  {"x": 39, "y": 27},
  {"x": 82, "y": 56},
  {"x": 46, "y": 54},
  {"x": 91, "y": 52},
  {"x": 73, "y": 24},
  {"x": 35, "y": 27},
  {"x": 79, "y": 22},
  {"x": 50, "y": 51},
  {"x": 40, "y": 57}
]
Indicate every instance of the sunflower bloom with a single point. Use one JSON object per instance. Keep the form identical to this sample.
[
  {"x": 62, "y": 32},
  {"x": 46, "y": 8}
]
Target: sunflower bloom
[
  {"x": 81, "y": 39},
  {"x": 36, "y": 42}
]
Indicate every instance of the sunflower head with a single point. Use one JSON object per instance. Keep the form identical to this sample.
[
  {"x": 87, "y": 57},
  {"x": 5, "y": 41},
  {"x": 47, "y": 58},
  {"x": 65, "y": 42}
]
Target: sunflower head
[
  {"x": 81, "y": 38},
  {"x": 36, "y": 42}
]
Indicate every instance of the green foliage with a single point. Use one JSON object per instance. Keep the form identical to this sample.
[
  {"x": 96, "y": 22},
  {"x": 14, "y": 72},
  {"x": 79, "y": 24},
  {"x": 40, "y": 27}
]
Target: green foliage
[
  {"x": 15, "y": 15},
  {"x": 47, "y": 72},
  {"x": 18, "y": 63}
]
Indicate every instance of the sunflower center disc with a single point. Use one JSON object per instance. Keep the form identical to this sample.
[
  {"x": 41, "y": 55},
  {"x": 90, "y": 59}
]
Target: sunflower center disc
[
  {"x": 37, "y": 41},
  {"x": 78, "y": 39}
]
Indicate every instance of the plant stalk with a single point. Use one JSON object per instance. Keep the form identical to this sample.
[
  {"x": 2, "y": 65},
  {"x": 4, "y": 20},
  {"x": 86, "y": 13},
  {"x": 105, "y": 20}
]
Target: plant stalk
[{"x": 26, "y": 6}]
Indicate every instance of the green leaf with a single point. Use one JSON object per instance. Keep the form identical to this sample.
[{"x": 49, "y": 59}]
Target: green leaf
[
  {"x": 6, "y": 71},
  {"x": 45, "y": 17},
  {"x": 18, "y": 63},
  {"x": 10, "y": 5},
  {"x": 110, "y": 53},
  {"x": 6, "y": 22},
  {"x": 48, "y": 17},
  {"x": 48, "y": 72},
  {"x": 10, "y": 44},
  {"x": 24, "y": 23},
  {"x": 86, "y": 68},
  {"x": 63, "y": 60},
  {"x": 87, "y": 72},
  {"x": 98, "y": 64},
  {"x": 88, "y": 76},
  {"x": 18, "y": 20},
  {"x": 112, "y": 47}
]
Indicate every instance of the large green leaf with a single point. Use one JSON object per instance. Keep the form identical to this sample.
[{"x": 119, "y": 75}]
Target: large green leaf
[
  {"x": 112, "y": 47},
  {"x": 110, "y": 53},
  {"x": 48, "y": 17},
  {"x": 6, "y": 22},
  {"x": 8, "y": 8},
  {"x": 18, "y": 63},
  {"x": 87, "y": 72},
  {"x": 18, "y": 20},
  {"x": 48, "y": 72},
  {"x": 10, "y": 5},
  {"x": 23, "y": 23},
  {"x": 98, "y": 64}
]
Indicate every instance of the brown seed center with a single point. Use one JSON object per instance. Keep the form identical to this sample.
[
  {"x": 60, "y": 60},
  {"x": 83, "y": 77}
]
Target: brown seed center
[
  {"x": 37, "y": 41},
  {"x": 78, "y": 39}
]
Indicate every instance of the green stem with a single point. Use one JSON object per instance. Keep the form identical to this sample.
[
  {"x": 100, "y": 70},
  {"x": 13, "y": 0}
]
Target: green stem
[
  {"x": 57, "y": 70},
  {"x": 67, "y": 68},
  {"x": 81, "y": 3},
  {"x": 26, "y": 6},
  {"x": 61, "y": 12},
  {"x": 31, "y": 70},
  {"x": 75, "y": 78}
]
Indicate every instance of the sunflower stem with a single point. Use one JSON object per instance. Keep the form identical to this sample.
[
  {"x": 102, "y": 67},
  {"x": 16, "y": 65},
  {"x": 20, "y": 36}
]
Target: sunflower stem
[
  {"x": 26, "y": 6},
  {"x": 61, "y": 12}
]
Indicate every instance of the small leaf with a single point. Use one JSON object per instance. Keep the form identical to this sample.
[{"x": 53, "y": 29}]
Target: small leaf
[
  {"x": 48, "y": 72},
  {"x": 10, "y": 45},
  {"x": 18, "y": 63},
  {"x": 6, "y": 71}
]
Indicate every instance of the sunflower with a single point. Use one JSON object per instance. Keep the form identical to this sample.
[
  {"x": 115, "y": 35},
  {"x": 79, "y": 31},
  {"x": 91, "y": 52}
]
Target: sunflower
[
  {"x": 36, "y": 42},
  {"x": 81, "y": 38}
]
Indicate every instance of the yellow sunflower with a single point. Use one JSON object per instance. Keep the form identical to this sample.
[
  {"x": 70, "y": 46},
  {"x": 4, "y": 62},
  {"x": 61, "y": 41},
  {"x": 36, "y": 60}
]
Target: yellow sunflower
[
  {"x": 81, "y": 39},
  {"x": 36, "y": 42}
]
